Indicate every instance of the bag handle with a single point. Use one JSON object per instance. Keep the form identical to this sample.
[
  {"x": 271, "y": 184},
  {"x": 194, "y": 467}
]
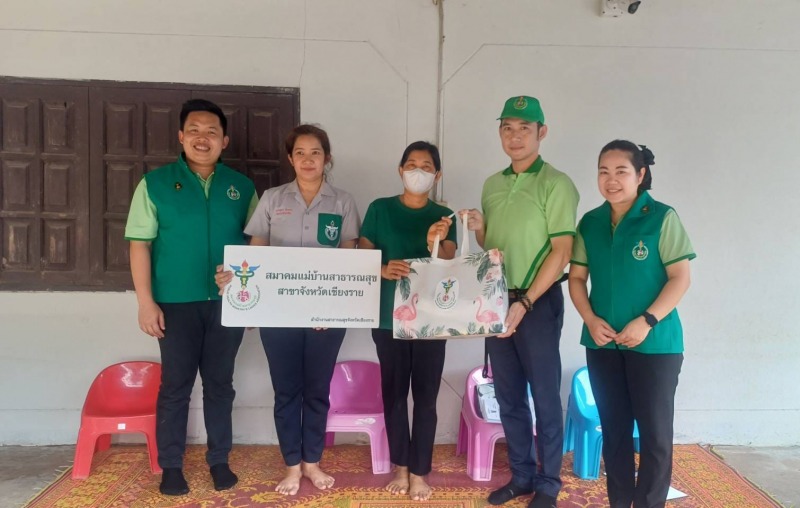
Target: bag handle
[{"x": 464, "y": 240}]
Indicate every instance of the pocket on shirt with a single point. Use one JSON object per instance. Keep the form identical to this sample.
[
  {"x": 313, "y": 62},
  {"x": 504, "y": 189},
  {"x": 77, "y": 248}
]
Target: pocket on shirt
[
  {"x": 329, "y": 229},
  {"x": 278, "y": 219}
]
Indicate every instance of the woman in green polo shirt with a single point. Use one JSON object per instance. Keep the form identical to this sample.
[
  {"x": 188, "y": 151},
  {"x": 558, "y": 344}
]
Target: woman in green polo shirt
[
  {"x": 636, "y": 253},
  {"x": 404, "y": 227}
]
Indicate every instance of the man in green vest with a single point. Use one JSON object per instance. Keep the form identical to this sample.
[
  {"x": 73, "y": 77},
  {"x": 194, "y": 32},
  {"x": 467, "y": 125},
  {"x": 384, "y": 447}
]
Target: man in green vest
[
  {"x": 181, "y": 217},
  {"x": 529, "y": 212}
]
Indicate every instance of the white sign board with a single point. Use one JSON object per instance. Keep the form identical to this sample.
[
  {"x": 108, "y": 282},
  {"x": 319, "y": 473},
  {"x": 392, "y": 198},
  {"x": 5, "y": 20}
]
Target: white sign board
[{"x": 302, "y": 287}]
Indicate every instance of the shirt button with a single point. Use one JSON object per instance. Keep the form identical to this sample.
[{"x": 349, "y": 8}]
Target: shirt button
[{"x": 306, "y": 227}]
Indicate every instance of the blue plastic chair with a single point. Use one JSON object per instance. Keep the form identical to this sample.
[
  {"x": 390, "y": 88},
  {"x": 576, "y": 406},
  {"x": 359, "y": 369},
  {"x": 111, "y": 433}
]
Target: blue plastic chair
[{"x": 582, "y": 430}]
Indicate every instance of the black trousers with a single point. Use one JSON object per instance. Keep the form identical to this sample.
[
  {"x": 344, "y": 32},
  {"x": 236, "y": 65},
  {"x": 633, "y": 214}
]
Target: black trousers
[
  {"x": 628, "y": 385},
  {"x": 301, "y": 362},
  {"x": 417, "y": 364},
  {"x": 194, "y": 339},
  {"x": 532, "y": 356}
]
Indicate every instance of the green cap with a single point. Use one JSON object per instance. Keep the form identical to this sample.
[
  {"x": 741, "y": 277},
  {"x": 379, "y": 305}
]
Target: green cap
[{"x": 523, "y": 107}]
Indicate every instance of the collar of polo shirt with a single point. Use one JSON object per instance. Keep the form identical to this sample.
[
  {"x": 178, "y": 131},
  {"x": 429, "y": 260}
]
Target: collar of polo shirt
[{"x": 534, "y": 168}]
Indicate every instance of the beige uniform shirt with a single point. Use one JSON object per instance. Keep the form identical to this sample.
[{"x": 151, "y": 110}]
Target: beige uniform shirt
[{"x": 283, "y": 218}]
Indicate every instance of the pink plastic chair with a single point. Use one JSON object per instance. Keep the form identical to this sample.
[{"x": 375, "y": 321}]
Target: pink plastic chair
[
  {"x": 357, "y": 406},
  {"x": 476, "y": 436},
  {"x": 122, "y": 399}
]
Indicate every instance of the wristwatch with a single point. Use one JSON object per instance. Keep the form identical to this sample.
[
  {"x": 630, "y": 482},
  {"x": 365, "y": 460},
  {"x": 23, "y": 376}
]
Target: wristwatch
[{"x": 650, "y": 319}]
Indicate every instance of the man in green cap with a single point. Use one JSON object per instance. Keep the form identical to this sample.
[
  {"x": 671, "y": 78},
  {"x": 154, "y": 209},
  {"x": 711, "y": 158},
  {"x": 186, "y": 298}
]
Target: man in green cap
[{"x": 529, "y": 212}]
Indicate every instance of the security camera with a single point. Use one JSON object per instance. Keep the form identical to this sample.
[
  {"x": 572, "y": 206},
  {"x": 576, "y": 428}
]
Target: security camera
[{"x": 617, "y": 8}]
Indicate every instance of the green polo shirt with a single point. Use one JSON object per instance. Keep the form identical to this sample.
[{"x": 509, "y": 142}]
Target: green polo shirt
[
  {"x": 523, "y": 212},
  {"x": 400, "y": 232}
]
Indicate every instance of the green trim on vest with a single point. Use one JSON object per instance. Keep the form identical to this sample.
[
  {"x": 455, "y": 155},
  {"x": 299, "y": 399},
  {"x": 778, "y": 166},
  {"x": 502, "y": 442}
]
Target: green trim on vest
[
  {"x": 627, "y": 273},
  {"x": 193, "y": 229}
]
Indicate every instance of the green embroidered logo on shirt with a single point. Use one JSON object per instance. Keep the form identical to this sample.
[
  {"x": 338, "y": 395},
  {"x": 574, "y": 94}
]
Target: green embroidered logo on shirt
[
  {"x": 640, "y": 251},
  {"x": 233, "y": 193},
  {"x": 329, "y": 227}
]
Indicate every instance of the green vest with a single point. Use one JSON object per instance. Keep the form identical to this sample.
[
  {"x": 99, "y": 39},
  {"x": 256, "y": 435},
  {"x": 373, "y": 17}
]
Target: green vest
[
  {"x": 627, "y": 273},
  {"x": 193, "y": 229}
]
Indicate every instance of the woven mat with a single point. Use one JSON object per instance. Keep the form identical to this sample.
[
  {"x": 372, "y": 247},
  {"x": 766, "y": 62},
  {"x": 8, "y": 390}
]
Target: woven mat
[{"x": 121, "y": 478}]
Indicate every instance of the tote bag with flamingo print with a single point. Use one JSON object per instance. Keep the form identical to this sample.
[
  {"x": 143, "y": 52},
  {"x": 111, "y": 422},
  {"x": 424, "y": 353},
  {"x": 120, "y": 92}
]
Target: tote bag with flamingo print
[{"x": 452, "y": 298}]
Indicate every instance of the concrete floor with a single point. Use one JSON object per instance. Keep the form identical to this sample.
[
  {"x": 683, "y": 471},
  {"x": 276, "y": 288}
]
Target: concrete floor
[
  {"x": 776, "y": 471},
  {"x": 24, "y": 470}
]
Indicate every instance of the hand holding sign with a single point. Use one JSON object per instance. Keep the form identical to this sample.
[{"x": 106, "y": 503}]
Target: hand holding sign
[
  {"x": 222, "y": 278},
  {"x": 300, "y": 287}
]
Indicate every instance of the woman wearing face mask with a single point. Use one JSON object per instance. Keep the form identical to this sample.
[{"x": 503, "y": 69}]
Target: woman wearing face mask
[
  {"x": 636, "y": 253},
  {"x": 302, "y": 213},
  {"x": 404, "y": 227}
]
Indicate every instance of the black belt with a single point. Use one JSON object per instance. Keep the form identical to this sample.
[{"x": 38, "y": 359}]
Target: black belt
[{"x": 517, "y": 293}]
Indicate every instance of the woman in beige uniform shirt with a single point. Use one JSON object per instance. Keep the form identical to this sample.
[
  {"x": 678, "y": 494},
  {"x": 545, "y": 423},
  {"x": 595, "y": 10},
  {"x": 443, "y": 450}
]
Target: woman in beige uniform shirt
[{"x": 307, "y": 212}]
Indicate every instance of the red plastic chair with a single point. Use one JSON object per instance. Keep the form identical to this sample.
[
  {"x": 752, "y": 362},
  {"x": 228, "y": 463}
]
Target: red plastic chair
[
  {"x": 122, "y": 399},
  {"x": 357, "y": 406}
]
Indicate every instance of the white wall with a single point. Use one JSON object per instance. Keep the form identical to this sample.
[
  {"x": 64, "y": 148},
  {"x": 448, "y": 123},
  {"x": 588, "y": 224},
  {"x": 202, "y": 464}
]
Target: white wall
[
  {"x": 708, "y": 85},
  {"x": 711, "y": 88}
]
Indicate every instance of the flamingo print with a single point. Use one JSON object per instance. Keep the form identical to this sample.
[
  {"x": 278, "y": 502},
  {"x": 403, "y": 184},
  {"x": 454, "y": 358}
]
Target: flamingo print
[
  {"x": 406, "y": 313},
  {"x": 487, "y": 316}
]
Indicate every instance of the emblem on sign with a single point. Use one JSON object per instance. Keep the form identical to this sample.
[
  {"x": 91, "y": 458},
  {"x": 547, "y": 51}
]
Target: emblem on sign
[
  {"x": 233, "y": 193},
  {"x": 640, "y": 251},
  {"x": 245, "y": 298},
  {"x": 446, "y": 293},
  {"x": 332, "y": 231}
]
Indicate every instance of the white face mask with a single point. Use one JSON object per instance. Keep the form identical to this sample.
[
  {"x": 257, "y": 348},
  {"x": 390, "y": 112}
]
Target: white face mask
[{"x": 418, "y": 181}]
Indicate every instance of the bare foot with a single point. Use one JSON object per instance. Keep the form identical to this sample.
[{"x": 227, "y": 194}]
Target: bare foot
[
  {"x": 419, "y": 490},
  {"x": 291, "y": 482},
  {"x": 399, "y": 485},
  {"x": 317, "y": 476}
]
